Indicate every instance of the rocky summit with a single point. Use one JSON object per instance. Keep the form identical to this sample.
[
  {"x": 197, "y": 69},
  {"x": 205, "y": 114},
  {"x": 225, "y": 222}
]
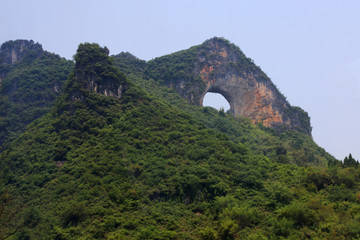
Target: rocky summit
[
  {"x": 94, "y": 72},
  {"x": 13, "y": 51}
]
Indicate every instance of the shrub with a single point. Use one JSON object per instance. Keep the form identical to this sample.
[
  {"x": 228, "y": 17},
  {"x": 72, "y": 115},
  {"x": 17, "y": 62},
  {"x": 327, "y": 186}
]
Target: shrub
[
  {"x": 227, "y": 229},
  {"x": 300, "y": 214},
  {"x": 282, "y": 226},
  {"x": 243, "y": 216},
  {"x": 280, "y": 193},
  {"x": 75, "y": 214},
  {"x": 321, "y": 179},
  {"x": 208, "y": 234}
]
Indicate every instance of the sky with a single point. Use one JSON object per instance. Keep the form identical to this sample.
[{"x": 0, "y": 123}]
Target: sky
[{"x": 310, "y": 49}]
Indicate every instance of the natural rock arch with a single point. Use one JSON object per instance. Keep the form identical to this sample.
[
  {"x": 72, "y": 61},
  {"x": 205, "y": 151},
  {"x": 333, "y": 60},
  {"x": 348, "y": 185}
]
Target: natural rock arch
[
  {"x": 220, "y": 67},
  {"x": 247, "y": 97},
  {"x": 224, "y": 94}
]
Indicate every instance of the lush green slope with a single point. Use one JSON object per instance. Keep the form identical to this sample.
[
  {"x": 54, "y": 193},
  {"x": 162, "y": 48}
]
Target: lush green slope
[
  {"x": 29, "y": 88},
  {"x": 149, "y": 165},
  {"x": 280, "y": 145}
]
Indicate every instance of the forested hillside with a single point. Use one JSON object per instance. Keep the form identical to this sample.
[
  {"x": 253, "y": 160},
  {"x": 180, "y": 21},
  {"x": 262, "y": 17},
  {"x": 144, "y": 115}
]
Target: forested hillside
[
  {"x": 298, "y": 148},
  {"x": 121, "y": 156},
  {"x": 30, "y": 81}
]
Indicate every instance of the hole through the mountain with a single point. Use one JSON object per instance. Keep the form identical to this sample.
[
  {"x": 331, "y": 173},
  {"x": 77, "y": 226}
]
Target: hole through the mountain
[{"x": 215, "y": 100}]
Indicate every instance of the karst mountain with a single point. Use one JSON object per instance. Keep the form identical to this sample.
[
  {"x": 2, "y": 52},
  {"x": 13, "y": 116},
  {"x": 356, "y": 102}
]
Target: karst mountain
[{"x": 115, "y": 147}]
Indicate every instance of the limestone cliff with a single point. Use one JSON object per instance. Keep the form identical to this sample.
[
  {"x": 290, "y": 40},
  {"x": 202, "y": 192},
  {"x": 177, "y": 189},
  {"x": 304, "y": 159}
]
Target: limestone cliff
[
  {"x": 221, "y": 67},
  {"x": 22, "y": 57},
  {"x": 95, "y": 72},
  {"x": 13, "y": 51},
  {"x": 31, "y": 79}
]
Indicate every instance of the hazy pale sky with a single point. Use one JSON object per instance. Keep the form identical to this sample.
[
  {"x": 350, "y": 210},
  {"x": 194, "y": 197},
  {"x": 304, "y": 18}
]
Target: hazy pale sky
[{"x": 310, "y": 49}]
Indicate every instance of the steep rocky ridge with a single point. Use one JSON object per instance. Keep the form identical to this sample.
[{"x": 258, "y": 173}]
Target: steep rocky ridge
[
  {"x": 30, "y": 81},
  {"x": 221, "y": 67},
  {"x": 13, "y": 51},
  {"x": 95, "y": 72}
]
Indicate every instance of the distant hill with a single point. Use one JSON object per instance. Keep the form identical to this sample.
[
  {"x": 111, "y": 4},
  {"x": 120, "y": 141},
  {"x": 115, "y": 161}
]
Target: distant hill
[
  {"x": 120, "y": 154},
  {"x": 30, "y": 81}
]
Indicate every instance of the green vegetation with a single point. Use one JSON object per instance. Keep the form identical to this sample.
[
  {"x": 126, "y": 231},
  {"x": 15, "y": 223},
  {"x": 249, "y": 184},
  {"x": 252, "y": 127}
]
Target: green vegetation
[
  {"x": 29, "y": 89},
  {"x": 278, "y": 145},
  {"x": 129, "y": 64},
  {"x": 350, "y": 162},
  {"x": 152, "y": 166},
  {"x": 193, "y": 71}
]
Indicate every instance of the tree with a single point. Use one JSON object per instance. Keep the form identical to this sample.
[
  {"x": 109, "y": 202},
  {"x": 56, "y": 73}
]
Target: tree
[
  {"x": 350, "y": 162},
  {"x": 9, "y": 215}
]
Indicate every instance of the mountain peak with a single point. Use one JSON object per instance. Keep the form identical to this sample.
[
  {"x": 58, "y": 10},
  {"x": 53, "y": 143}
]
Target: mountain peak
[
  {"x": 95, "y": 71},
  {"x": 217, "y": 40},
  {"x": 221, "y": 67},
  {"x": 13, "y": 51}
]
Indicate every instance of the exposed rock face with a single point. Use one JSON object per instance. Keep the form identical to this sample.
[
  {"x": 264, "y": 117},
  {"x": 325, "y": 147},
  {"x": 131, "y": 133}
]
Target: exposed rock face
[
  {"x": 13, "y": 51},
  {"x": 94, "y": 71},
  {"x": 30, "y": 81},
  {"x": 223, "y": 68}
]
